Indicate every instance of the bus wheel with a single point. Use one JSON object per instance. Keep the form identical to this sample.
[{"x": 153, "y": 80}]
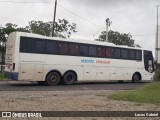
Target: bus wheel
[
  {"x": 136, "y": 78},
  {"x": 69, "y": 78},
  {"x": 53, "y": 78}
]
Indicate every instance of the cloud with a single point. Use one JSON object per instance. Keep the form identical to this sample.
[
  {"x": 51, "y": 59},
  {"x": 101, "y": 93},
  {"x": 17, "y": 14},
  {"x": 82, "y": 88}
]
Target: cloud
[{"x": 135, "y": 16}]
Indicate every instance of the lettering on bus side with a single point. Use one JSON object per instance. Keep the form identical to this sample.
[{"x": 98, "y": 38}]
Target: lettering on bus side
[
  {"x": 87, "y": 61},
  {"x": 97, "y": 61},
  {"x": 103, "y": 62}
]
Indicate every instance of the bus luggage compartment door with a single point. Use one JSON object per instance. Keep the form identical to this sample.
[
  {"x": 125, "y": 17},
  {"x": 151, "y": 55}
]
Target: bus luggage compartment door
[
  {"x": 39, "y": 72},
  {"x": 26, "y": 71}
]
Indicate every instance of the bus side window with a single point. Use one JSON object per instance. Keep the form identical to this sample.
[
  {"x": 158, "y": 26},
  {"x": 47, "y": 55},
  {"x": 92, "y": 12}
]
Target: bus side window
[
  {"x": 124, "y": 53},
  {"x": 132, "y": 55},
  {"x": 51, "y": 47},
  {"x": 73, "y": 49},
  {"x": 27, "y": 45},
  {"x": 101, "y": 51},
  {"x": 117, "y": 53},
  {"x": 83, "y": 50},
  {"x": 63, "y": 48},
  {"x": 109, "y": 52},
  {"x": 138, "y": 55},
  {"x": 92, "y": 51},
  {"x": 40, "y": 46}
]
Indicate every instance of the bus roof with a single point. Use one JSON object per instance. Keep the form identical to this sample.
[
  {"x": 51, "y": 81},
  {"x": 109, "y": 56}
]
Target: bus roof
[{"x": 72, "y": 40}]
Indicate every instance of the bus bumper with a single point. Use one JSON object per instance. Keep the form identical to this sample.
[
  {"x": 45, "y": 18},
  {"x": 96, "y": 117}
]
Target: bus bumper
[{"x": 11, "y": 75}]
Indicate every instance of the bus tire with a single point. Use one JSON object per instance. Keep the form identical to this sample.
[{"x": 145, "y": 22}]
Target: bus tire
[
  {"x": 53, "y": 78},
  {"x": 69, "y": 78},
  {"x": 136, "y": 78}
]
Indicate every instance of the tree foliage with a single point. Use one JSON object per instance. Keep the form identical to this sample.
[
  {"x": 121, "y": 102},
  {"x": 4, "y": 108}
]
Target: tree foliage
[
  {"x": 117, "y": 38},
  {"x": 5, "y": 31},
  {"x": 62, "y": 28}
]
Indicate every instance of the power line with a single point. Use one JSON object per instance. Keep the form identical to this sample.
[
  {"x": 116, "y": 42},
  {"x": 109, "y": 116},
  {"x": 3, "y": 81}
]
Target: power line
[
  {"x": 9, "y": 1},
  {"x": 80, "y": 17},
  {"x": 144, "y": 35}
]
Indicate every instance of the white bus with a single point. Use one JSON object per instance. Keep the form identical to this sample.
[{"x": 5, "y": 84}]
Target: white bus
[{"x": 52, "y": 60}]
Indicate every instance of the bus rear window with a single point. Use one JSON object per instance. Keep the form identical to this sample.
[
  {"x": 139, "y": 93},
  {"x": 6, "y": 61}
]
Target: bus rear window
[{"x": 27, "y": 45}]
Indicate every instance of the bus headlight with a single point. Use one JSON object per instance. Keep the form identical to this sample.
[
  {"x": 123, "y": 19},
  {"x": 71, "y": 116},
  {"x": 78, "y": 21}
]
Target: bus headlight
[{"x": 150, "y": 69}]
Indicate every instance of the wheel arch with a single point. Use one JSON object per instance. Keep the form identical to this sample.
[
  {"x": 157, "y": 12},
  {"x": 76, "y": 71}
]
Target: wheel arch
[
  {"x": 73, "y": 72},
  {"x": 138, "y": 73},
  {"x": 53, "y": 71}
]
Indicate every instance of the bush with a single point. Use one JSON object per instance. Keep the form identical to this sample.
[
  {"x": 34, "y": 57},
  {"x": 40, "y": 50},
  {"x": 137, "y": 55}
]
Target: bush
[
  {"x": 1, "y": 76},
  {"x": 157, "y": 75}
]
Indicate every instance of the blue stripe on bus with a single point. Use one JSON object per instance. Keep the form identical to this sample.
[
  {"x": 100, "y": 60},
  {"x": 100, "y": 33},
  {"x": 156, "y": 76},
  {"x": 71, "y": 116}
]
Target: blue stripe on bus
[{"x": 13, "y": 76}]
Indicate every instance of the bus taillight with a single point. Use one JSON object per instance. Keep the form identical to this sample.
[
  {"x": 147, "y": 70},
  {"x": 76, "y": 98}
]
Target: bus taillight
[{"x": 13, "y": 66}]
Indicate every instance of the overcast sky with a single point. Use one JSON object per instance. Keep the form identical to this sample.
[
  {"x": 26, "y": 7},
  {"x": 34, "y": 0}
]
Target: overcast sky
[{"x": 137, "y": 17}]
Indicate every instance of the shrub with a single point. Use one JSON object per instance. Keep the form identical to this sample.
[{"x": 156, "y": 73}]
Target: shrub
[{"x": 157, "y": 75}]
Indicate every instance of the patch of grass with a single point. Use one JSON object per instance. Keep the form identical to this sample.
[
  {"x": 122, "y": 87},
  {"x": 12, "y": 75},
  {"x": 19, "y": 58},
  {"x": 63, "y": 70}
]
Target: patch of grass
[
  {"x": 2, "y": 76},
  {"x": 147, "y": 94}
]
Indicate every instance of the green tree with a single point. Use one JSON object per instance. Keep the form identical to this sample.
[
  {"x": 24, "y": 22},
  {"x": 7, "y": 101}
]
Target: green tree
[
  {"x": 40, "y": 27},
  {"x": 63, "y": 28},
  {"x": 9, "y": 27},
  {"x": 5, "y": 31},
  {"x": 117, "y": 38}
]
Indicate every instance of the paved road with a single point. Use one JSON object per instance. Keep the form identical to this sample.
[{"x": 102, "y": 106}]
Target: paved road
[{"x": 34, "y": 86}]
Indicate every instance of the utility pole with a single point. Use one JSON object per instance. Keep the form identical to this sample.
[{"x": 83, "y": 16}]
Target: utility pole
[
  {"x": 108, "y": 23},
  {"x": 54, "y": 18},
  {"x": 156, "y": 46}
]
